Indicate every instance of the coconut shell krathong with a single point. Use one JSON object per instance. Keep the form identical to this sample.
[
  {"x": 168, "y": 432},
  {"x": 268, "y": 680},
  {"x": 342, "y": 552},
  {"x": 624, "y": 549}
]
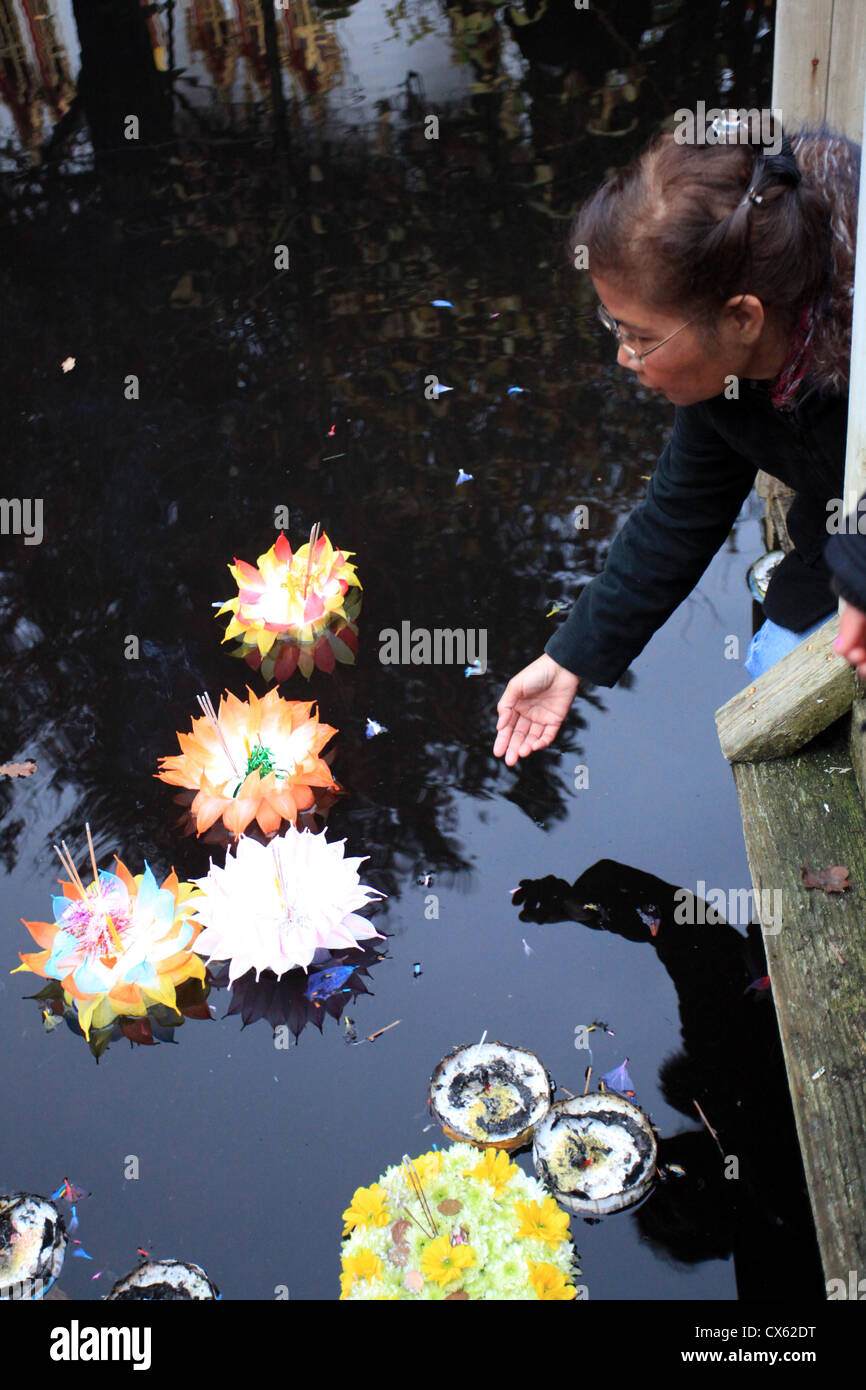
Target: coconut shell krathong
[
  {"x": 32, "y": 1245},
  {"x": 164, "y": 1281},
  {"x": 596, "y": 1153},
  {"x": 489, "y": 1094}
]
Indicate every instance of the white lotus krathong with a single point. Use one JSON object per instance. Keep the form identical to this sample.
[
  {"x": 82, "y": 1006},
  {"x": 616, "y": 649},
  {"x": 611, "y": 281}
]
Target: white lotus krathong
[{"x": 272, "y": 907}]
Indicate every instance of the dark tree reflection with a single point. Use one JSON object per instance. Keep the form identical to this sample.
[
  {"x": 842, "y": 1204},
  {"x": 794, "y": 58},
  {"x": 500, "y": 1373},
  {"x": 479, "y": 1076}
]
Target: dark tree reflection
[{"x": 210, "y": 388}]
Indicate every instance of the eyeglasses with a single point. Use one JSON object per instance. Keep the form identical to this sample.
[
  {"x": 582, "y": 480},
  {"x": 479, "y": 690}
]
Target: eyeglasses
[{"x": 613, "y": 327}]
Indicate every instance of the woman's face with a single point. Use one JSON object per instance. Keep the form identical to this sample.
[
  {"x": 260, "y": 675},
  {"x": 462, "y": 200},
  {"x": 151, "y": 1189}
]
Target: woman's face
[{"x": 693, "y": 366}]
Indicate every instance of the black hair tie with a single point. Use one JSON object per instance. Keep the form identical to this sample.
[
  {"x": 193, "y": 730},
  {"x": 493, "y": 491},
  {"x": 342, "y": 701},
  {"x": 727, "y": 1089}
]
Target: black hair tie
[{"x": 783, "y": 167}]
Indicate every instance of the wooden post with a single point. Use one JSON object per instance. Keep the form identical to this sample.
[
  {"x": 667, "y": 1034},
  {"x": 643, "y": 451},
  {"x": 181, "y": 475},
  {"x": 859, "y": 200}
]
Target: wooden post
[
  {"x": 819, "y": 63},
  {"x": 855, "y": 455},
  {"x": 802, "y": 35},
  {"x": 845, "y": 84}
]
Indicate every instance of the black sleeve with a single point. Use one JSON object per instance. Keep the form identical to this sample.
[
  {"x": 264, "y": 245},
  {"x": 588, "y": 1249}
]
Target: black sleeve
[
  {"x": 691, "y": 503},
  {"x": 845, "y": 554}
]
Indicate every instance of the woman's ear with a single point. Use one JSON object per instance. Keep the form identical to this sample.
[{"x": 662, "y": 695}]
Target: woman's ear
[{"x": 746, "y": 314}]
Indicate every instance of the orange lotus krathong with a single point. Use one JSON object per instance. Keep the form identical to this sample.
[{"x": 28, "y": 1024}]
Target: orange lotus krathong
[
  {"x": 118, "y": 946},
  {"x": 257, "y": 760},
  {"x": 295, "y": 609}
]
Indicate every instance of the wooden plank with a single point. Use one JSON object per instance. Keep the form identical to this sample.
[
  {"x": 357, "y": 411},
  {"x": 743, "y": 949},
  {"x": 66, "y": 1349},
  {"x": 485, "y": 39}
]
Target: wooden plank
[
  {"x": 855, "y": 455},
  {"x": 855, "y": 452},
  {"x": 802, "y": 33},
  {"x": 817, "y": 967},
  {"x": 790, "y": 703},
  {"x": 847, "y": 76},
  {"x": 857, "y": 739}
]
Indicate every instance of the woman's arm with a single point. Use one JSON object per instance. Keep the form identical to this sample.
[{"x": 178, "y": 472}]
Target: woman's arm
[{"x": 692, "y": 501}]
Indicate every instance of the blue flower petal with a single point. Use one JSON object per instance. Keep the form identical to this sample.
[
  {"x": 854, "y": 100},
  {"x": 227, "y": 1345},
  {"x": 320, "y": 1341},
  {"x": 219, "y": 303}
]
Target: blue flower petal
[
  {"x": 141, "y": 974},
  {"x": 91, "y": 977},
  {"x": 64, "y": 946}
]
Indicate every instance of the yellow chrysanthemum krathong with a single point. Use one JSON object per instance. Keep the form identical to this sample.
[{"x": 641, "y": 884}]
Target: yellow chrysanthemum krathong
[
  {"x": 253, "y": 760},
  {"x": 295, "y": 609},
  {"x": 451, "y": 1225}
]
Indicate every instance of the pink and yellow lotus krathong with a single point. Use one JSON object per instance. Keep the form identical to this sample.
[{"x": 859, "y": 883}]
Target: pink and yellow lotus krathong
[
  {"x": 253, "y": 760},
  {"x": 119, "y": 945},
  {"x": 295, "y": 609}
]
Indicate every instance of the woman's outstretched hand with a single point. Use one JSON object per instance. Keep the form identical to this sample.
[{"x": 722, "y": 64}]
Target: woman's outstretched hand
[
  {"x": 851, "y": 642},
  {"x": 533, "y": 705}
]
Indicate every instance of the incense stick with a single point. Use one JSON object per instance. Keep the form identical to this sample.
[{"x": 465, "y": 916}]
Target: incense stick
[
  {"x": 418, "y": 1191},
  {"x": 314, "y": 540},
  {"x": 93, "y": 859},
  {"x": 69, "y": 865},
  {"x": 205, "y": 704},
  {"x": 281, "y": 878},
  {"x": 371, "y": 1036},
  {"x": 708, "y": 1125},
  {"x": 588, "y": 1075}
]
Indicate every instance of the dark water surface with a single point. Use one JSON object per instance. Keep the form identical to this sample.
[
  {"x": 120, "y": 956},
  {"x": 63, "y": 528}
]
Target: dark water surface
[{"x": 306, "y": 389}]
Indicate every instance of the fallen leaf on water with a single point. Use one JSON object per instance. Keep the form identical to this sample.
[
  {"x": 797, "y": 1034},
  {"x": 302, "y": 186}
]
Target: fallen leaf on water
[
  {"x": 17, "y": 769},
  {"x": 833, "y": 879}
]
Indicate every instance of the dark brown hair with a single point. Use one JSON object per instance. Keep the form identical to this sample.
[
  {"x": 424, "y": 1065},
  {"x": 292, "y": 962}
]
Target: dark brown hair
[{"x": 676, "y": 229}]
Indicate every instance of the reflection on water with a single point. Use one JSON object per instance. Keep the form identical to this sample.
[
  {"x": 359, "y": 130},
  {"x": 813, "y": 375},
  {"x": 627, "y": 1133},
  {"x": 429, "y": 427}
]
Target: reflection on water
[{"x": 327, "y": 221}]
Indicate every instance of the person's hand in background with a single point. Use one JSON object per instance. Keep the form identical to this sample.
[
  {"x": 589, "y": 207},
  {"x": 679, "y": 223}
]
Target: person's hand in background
[{"x": 851, "y": 642}]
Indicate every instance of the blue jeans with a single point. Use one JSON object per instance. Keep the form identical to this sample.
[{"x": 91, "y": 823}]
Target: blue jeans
[{"x": 772, "y": 642}]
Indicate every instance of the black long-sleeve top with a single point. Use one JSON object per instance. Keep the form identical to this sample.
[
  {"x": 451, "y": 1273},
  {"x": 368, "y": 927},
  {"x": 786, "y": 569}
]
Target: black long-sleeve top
[
  {"x": 703, "y": 477},
  {"x": 845, "y": 553}
]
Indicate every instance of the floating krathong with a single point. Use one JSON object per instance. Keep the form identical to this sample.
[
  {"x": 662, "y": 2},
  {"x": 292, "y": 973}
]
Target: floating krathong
[
  {"x": 164, "y": 1281},
  {"x": 490, "y": 1094},
  {"x": 273, "y": 907},
  {"x": 254, "y": 760},
  {"x": 32, "y": 1245},
  {"x": 295, "y": 609},
  {"x": 596, "y": 1153},
  {"x": 456, "y": 1225},
  {"x": 118, "y": 946}
]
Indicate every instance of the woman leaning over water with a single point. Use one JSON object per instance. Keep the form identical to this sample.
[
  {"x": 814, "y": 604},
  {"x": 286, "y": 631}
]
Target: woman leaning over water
[{"x": 726, "y": 274}]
